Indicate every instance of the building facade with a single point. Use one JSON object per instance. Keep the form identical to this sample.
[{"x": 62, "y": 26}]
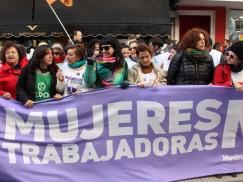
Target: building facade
[{"x": 221, "y": 18}]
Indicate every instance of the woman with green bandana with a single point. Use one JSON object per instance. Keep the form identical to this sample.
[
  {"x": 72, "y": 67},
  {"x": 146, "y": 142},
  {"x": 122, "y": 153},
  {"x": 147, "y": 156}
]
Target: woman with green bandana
[
  {"x": 108, "y": 69},
  {"x": 38, "y": 80},
  {"x": 192, "y": 65},
  {"x": 71, "y": 75}
]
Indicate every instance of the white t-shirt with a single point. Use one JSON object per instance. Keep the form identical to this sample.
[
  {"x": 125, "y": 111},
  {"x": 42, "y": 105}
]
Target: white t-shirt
[
  {"x": 237, "y": 77},
  {"x": 73, "y": 80},
  {"x": 216, "y": 55},
  {"x": 130, "y": 63},
  {"x": 162, "y": 61},
  {"x": 148, "y": 78}
]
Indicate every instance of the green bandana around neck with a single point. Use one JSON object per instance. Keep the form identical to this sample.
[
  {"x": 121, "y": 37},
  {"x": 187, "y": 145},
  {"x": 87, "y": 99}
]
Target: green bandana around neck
[
  {"x": 78, "y": 63},
  {"x": 196, "y": 53}
]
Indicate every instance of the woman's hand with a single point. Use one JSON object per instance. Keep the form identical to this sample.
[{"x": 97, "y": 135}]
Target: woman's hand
[
  {"x": 29, "y": 103},
  {"x": 7, "y": 95},
  {"x": 60, "y": 76},
  {"x": 238, "y": 87},
  {"x": 58, "y": 97},
  {"x": 141, "y": 85}
]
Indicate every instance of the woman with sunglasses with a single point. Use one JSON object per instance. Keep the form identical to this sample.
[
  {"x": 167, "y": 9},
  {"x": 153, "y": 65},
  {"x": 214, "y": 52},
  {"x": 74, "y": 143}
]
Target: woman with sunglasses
[
  {"x": 109, "y": 69},
  {"x": 192, "y": 65},
  {"x": 58, "y": 54},
  {"x": 230, "y": 73},
  {"x": 38, "y": 80},
  {"x": 71, "y": 75},
  {"x": 13, "y": 61}
]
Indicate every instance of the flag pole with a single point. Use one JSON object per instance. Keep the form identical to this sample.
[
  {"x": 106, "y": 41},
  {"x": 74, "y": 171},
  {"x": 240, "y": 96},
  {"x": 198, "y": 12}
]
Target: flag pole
[{"x": 60, "y": 22}]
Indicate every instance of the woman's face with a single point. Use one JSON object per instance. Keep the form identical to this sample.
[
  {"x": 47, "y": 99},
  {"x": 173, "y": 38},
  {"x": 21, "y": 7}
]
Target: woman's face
[
  {"x": 200, "y": 45},
  {"x": 107, "y": 50},
  {"x": 145, "y": 58},
  {"x": 232, "y": 58},
  {"x": 132, "y": 48},
  {"x": 125, "y": 52},
  {"x": 56, "y": 53},
  {"x": 48, "y": 58},
  {"x": 12, "y": 56},
  {"x": 71, "y": 56}
]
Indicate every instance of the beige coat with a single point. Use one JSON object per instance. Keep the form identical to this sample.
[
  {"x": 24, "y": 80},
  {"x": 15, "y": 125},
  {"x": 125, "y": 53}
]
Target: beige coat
[{"x": 135, "y": 75}]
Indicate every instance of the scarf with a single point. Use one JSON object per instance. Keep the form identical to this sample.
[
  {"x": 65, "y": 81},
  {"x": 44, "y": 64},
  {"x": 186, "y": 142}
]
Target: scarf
[
  {"x": 77, "y": 64},
  {"x": 109, "y": 72},
  {"x": 196, "y": 54},
  {"x": 58, "y": 60}
]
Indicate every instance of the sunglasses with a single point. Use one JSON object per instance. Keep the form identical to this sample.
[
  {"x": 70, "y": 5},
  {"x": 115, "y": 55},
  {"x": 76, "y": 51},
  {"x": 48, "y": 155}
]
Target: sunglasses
[
  {"x": 105, "y": 47},
  {"x": 132, "y": 48},
  {"x": 229, "y": 55},
  {"x": 56, "y": 53}
]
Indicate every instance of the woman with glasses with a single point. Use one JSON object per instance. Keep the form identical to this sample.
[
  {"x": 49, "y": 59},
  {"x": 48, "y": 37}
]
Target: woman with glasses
[
  {"x": 58, "y": 54},
  {"x": 13, "y": 61},
  {"x": 132, "y": 48},
  {"x": 192, "y": 65},
  {"x": 71, "y": 75},
  {"x": 38, "y": 80},
  {"x": 230, "y": 73},
  {"x": 145, "y": 73},
  {"x": 108, "y": 69}
]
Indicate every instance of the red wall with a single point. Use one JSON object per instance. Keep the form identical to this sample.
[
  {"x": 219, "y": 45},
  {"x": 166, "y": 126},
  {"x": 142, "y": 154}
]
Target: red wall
[
  {"x": 188, "y": 22},
  {"x": 220, "y": 19}
]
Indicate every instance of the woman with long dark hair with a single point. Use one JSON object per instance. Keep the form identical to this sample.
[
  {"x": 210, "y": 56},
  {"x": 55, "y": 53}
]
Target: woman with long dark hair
[
  {"x": 38, "y": 80},
  {"x": 108, "y": 69}
]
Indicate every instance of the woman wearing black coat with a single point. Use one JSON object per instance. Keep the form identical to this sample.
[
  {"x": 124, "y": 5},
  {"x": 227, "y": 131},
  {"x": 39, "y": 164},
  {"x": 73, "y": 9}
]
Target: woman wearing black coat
[
  {"x": 38, "y": 79},
  {"x": 192, "y": 65}
]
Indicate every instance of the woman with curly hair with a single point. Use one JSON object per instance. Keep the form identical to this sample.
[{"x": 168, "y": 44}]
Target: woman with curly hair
[
  {"x": 108, "y": 69},
  {"x": 13, "y": 61},
  {"x": 192, "y": 65},
  {"x": 38, "y": 79}
]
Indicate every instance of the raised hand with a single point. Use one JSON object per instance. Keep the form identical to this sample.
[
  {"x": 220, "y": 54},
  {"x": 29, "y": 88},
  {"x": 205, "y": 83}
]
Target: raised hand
[{"x": 60, "y": 76}]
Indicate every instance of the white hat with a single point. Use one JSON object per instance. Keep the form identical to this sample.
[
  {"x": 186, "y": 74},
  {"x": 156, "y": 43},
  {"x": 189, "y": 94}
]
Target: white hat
[{"x": 57, "y": 45}]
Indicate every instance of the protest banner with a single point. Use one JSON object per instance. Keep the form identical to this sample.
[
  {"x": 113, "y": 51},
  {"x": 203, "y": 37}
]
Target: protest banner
[{"x": 155, "y": 134}]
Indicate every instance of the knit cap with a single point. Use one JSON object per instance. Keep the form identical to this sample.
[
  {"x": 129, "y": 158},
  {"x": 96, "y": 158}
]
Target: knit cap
[{"x": 237, "y": 48}]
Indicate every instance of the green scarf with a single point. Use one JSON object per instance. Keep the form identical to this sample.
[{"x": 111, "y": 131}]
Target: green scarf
[
  {"x": 196, "y": 54},
  {"x": 110, "y": 73},
  {"x": 78, "y": 63}
]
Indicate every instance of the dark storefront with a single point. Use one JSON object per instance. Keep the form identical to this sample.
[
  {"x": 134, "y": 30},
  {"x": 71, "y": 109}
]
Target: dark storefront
[{"x": 34, "y": 20}]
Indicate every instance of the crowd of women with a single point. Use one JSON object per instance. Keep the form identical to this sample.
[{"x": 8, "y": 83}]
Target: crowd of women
[{"x": 54, "y": 73}]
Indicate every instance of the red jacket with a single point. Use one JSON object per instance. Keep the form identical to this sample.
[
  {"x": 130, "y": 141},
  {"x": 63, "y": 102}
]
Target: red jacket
[
  {"x": 222, "y": 75},
  {"x": 9, "y": 77}
]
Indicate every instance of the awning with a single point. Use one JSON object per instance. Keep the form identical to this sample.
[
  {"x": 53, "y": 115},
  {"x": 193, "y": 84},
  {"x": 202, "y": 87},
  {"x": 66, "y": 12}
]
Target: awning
[{"x": 92, "y": 17}]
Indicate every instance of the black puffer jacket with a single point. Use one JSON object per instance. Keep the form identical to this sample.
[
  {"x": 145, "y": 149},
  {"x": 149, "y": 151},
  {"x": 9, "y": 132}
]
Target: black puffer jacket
[{"x": 184, "y": 70}]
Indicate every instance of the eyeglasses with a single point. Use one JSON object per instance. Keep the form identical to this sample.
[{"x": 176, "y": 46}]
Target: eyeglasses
[
  {"x": 10, "y": 52},
  {"x": 105, "y": 47},
  {"x": 229, "y": 55},
  {"x": 132, "y": 48},
  {"x": 56, "y": 53}
]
